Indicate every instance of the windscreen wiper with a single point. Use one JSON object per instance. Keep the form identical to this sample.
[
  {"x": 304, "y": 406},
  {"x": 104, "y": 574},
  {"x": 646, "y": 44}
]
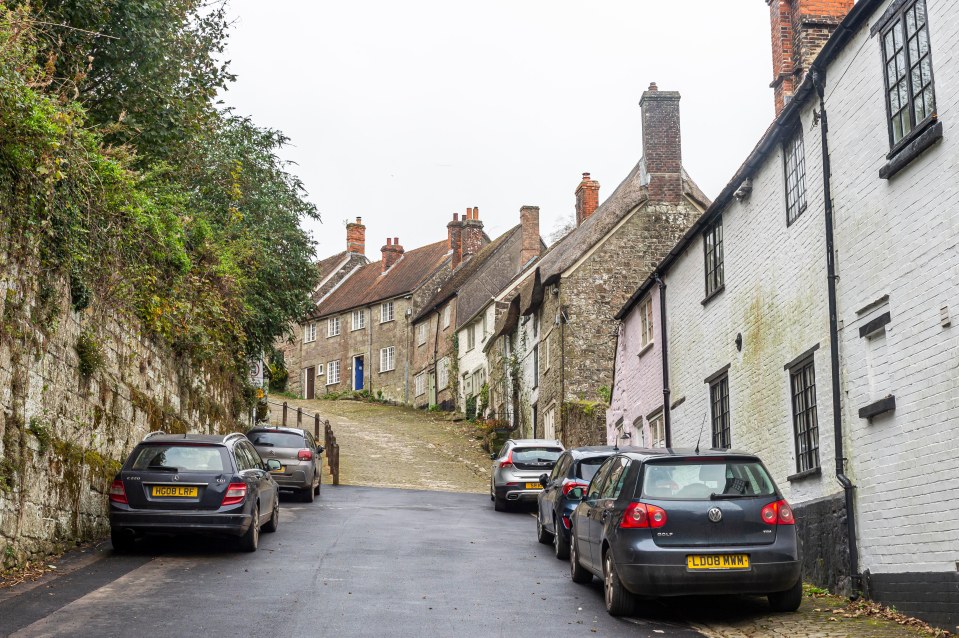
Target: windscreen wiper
[{"x": 720, "y": 497}]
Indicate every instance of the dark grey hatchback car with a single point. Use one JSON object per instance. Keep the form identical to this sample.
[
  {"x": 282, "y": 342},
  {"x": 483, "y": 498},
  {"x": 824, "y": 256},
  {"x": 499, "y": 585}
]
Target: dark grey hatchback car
[
  {"x": 663, "y": 522},
  {"x": 174, "y": 484}
]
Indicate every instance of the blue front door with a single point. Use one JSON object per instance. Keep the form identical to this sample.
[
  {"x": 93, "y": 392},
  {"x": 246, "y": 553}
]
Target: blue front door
[{"x": 357, "y": 373}]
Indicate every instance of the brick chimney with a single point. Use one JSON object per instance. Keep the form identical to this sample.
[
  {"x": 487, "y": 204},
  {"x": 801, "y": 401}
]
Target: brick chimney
[
  {"x": 662, "y": 145},
  {"x": 799, "y": 29},
  {"x": 392, "y": 252},
  {"x": 455, "y": 241},
  {"x": 356, "y": 237},
  {"x": 587, "y": 198},
  {"x": 473, "y": 238},
  {"x": 529, "y": 227}
]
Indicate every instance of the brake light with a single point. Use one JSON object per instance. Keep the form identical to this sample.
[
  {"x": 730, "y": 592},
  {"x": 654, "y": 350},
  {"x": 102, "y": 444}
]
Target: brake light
[
  {"x": 117, "y": 493},
  {"x": 572, "y": 485},
  {"x": 778, "y": 513},
  {"x": 566, "y": 522},
  {"x": 304, "y": 455},
  {"x": 235, "y": 493},
  {"x": 508, "y": 461},
  {"x": 641, "y": 515}
]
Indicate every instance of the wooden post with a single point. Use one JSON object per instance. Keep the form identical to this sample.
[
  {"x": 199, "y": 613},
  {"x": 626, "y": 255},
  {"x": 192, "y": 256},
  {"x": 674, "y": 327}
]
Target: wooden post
[
  {"x": 299, "y": 417},
  {"x": 284, "y": 413},
  {"x": 316, "y": 426},
  {"x": 335, "y": 462}
]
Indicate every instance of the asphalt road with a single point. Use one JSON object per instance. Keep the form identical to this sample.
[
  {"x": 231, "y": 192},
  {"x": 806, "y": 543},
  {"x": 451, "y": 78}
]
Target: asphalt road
[{"x": 357, "y": 562}]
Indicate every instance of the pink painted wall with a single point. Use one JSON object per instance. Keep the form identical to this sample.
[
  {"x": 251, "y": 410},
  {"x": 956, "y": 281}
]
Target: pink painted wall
[{"x": 638, "y": 388}]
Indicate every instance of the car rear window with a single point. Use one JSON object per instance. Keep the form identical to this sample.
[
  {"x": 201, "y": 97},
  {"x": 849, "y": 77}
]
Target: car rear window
[
  {"x": 586, "y": 469},
  {"x": 536, "y": 454},
  {"x": 697, "y": 480},
  {"x": 276, "y": 439},
  {"x": 180, "y": 458}
]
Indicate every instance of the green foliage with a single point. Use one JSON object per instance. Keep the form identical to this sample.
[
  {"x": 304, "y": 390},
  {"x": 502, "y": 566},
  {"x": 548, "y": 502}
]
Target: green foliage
[
  {"x": 277, "y": 372},
  {"x": 483, "y": 400},
  {"x": 42, "y": 434},
  {"x": 470, "y": 408},
  {"x": 605, "y": 394},
  {"x": 89, "y": 357}
]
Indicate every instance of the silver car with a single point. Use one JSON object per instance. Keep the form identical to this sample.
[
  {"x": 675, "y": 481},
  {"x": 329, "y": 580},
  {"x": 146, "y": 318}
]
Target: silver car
[
  {"x": 298, "y": 453},
  {"x": 517, "y": 468}
]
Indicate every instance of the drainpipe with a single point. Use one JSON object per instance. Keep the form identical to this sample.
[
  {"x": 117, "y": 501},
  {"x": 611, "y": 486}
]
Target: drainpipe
[
  {"x": 436, "y": 364},
  {"x": 818, "y": 78},
  {"x": 665, "y": 352}
]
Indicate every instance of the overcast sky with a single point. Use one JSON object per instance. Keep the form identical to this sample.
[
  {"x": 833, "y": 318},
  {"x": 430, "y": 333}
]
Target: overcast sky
[{"x": 407, "y": 112}]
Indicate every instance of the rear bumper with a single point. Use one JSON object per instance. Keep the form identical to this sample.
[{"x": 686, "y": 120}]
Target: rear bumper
[
  {"x": 295, "y": 480},
  {"x": 517, "y": 493},
  {"x": 166, "y": 522}
]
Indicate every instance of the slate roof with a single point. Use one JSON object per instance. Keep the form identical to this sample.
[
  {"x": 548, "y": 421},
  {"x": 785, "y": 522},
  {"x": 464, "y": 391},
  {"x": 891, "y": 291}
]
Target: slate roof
[
  {"x": 369, "y": 284},
  {"x": 628, "y": 195},
  {"x": 476, "y": 281}
]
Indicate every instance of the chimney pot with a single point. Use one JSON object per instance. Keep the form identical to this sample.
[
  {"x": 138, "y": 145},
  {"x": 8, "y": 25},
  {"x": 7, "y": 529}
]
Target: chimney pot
[
  {"x": 653, "y": 87},
  {"x": 473, "y": 238},
  {"x": 587, "y": 198}
]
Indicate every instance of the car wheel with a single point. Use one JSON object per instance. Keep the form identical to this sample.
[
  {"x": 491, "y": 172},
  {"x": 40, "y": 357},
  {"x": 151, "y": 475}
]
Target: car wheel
[
  {"x": 251, "y": 540},
  {"x": 307, "y": 494},
  {"x": 577, "y": 572},
  {"x": 619, "y": 601},
  {"x": 499, "y": 504},
  {"x": 788, "y": 600},
  {"x": 316, "y": 490},
  {"x": 123, "y": 541},
  {"x": 274, "y": 521},
  {"x": 560, "y": 542},
  {"x": 542, "y": 535},
  {"x": 492, "y": 496}
]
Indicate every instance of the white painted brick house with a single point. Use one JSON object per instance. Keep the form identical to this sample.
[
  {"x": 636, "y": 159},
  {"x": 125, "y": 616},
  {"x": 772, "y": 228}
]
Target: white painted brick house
[{"x": 753, "y": 348}]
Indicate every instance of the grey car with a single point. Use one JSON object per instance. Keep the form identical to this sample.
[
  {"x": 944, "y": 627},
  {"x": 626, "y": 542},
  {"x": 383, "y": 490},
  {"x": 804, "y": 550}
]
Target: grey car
[
  {"x": 299, "y": 456},
  {"x": 517, "y": 468}
]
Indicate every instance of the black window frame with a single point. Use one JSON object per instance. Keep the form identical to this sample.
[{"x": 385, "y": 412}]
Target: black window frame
[
  {"x": 805, "y": 415},
  {"x": 794, "y": 148},
  {"x": 714, "y": 258},
  {"x": 897, "y": 19},
  {"x": 720, "y": 423}
]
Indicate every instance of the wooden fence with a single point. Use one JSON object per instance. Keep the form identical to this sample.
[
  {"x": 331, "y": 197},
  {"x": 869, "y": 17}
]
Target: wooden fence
[{"x": 332, "y": 448}]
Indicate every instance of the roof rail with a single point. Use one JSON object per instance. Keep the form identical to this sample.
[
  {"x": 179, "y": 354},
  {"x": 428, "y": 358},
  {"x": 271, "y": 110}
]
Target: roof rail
[{"x": 153, "y": 434}]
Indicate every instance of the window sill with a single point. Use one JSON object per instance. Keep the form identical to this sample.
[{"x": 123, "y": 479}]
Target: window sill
[
  {"x": 387, "y": 321},
  {"x": 805, "y": 474},
  {"x": 876, "y": 408},
  {"x": 911, "y": 150},
  {"x": 645, "y": 349},
  {"x": 713, "y": 295}
]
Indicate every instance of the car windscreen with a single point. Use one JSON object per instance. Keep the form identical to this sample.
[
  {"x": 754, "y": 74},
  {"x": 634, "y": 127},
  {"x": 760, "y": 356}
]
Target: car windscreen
[
  {"x": 180, "y": 458},
  {"x": 697, "y": 480},
  {"x": 277, "y": 439},
  {"x": 586, "y": 469},
  {"x": 533, "y": 455}
]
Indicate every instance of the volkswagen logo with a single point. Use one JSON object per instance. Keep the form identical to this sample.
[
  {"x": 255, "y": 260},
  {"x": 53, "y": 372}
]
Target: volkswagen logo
[{"x": 715, "y": 514}]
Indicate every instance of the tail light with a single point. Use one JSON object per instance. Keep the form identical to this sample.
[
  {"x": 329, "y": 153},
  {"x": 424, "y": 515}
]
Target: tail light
[
  {"x": 641, "y": 515},
  {"x": 566, "y": 522},
  {"x": 304, "y": 455},
  {"x": 508, "y": 461},
  {"x": 572, "y": 485},
  {"x": 778, "y": 513},
  {"x": 235, "y": 493},
  {"x": 117, "y": 493}
]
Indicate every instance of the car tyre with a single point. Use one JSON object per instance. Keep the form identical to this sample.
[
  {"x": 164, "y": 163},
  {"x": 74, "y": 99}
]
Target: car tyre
[
  {"x": 542, "y": 535},
  {"x": 560, "y": 543},
  {"x": 788, "y": 600},
  {"x": 316, "y": 490},
  {"x": 619, "y": 601},
  {"x": 307, "y": 495},
  {"x": 274, "y": 521},
  {"x": 251, "y": 540},
  {"x": 577, "y": 572},
  {"x": 492, "y": 496},
  {"x": 123, "y": 541},
  {"x": 499, "y": 504}
]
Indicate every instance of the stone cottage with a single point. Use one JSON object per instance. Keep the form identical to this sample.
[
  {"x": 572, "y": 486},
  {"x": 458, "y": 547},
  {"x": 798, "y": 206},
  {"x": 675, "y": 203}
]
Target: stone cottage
[{"x": 807, "y": 315}]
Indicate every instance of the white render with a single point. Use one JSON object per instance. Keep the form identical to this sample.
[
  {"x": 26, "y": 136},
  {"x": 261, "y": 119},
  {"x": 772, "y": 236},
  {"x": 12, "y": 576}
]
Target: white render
[{"x": 472, "y": 361}]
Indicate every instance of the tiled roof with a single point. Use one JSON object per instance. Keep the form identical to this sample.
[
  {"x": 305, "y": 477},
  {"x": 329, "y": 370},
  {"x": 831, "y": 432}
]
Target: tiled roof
[{"x": 369, "y": 284}]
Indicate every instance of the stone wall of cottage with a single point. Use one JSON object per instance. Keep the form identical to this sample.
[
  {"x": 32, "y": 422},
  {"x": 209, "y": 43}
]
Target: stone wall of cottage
[
  {"x": 898, "y": 253},
  {"x": 63, "y": 435}
]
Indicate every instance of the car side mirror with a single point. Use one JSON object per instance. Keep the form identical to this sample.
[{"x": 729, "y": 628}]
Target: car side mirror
[
  {"x": 543, "y": 479},
  {"x": 493, "y": 456},
  {"x": 575, "y": 494},
  {"x": 319, "y": 449},
  {"x": 273, "y": 464}
]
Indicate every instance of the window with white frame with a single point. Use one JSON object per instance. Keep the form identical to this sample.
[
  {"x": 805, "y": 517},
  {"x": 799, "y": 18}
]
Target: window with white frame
[
  {"x": 546, "y": 351},
  {"x": 549, "y": 423},
  {"x": 421, "y": 331},
  {"x": 332, "y": 372},
  {"x": 359, "y": 319},
  {"x": 467, "y": 385},
  {"x": 309, "y": 332},
  {"x": 443, "y": 373},
  {"x": 536, "y": 366},
  {"x": 332, "y": 326},
  {"x": 387, "y": 312},
  {"x": 446, "y": 315},
  {"x": 471, "y": 337},
  {"x": 657, "y": 431},
  {"x": 419, "y": 384},
  {"x": 646, "y": 322},
  {"x": 388, "y": 359},
  {"x": 479, "y": 378}
]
